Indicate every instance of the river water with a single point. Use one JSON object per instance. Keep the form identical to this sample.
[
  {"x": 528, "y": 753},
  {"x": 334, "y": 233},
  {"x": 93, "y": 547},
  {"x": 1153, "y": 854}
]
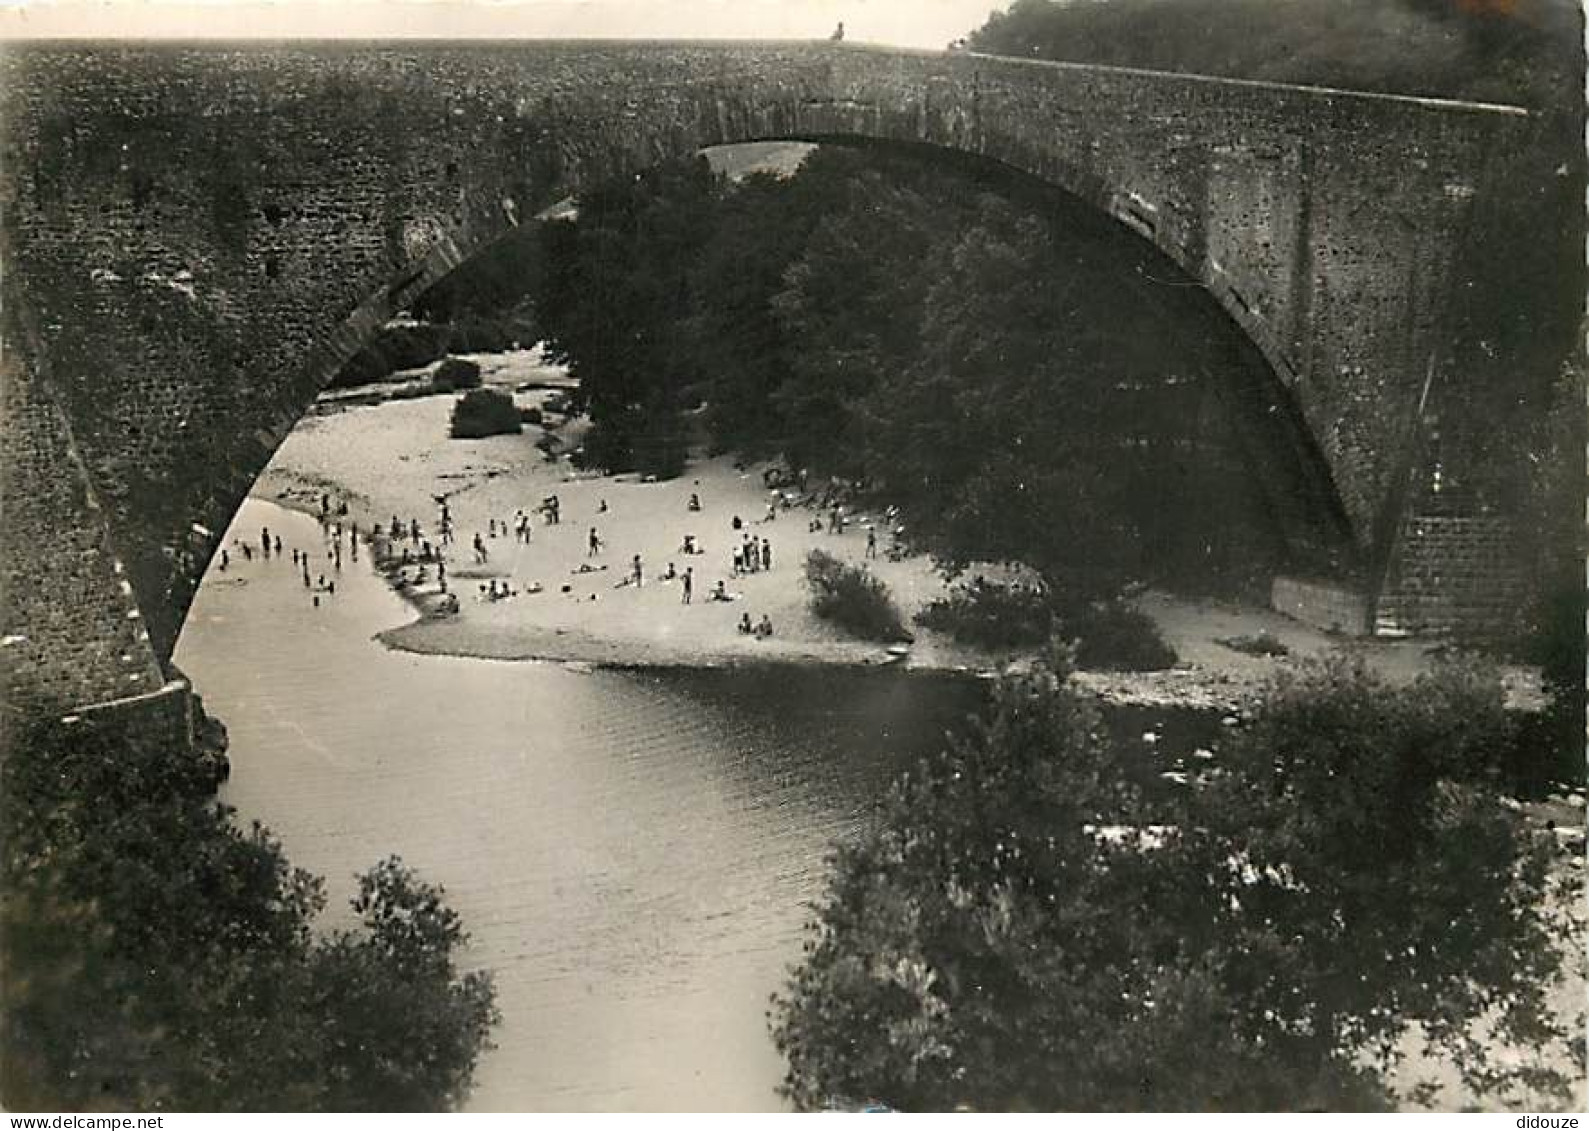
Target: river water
[{"x": 631, "y": 851}]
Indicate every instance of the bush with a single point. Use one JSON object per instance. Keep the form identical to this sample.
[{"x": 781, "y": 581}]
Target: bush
[
  {"x": 484, "y": 412},
  {"x": 161, "y": 956},
  {"x": 1112, "y": 636},
  {"x": 394, "y": 348},
  {"x": 853, "y": 598},
  {"x": 454, "y": 374},
  {"x": 1258, "y": 644},
  {"x": 990, "y": 614},
  {"x": 1347, "y": 881}
]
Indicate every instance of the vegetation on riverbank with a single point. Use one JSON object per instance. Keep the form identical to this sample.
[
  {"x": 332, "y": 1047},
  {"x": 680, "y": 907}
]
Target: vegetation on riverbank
[
  {"x": 1021, "y": 930},
  {"x": 484, "y": 412},
  {"x": 159, "y": 957},
  {"x": 853, "y": 598}
]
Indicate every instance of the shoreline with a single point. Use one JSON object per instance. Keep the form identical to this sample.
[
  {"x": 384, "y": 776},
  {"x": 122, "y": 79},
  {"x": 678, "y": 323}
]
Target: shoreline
[
  {"x": 434, "y": 632},
  {"x": 383, "y": 457}
]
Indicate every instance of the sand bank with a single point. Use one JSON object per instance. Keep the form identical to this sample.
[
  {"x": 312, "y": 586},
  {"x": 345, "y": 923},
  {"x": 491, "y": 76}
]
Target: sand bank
[{"x": 395, "y": 459}]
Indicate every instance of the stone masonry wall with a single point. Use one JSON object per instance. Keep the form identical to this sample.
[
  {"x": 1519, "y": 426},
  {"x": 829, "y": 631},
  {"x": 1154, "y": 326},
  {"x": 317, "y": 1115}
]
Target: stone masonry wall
[
  {"x": 201, "y": 234},
  {"x": 1456, "y": 575}
]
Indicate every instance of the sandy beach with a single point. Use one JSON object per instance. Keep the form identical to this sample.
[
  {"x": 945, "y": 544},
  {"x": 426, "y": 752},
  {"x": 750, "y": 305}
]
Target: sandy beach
[{"x": 394, "y": 458}]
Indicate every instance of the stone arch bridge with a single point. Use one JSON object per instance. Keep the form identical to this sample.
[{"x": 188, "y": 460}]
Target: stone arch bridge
[{"x": 197, "y": 237}]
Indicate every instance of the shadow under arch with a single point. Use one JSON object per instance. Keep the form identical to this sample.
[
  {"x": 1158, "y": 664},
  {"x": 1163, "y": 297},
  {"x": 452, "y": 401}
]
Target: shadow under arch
[{"x": 1286, "y": 463}]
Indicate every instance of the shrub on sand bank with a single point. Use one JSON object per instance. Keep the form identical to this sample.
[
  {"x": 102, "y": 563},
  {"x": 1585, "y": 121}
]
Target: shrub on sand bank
[
  {"x": 853, "y": 598},
  {"x": 455, "y": 373},
  {"x": 484, "y": 412},
  {"x": 992, "y": 614},
  {"x": 1112, "y": 636}
]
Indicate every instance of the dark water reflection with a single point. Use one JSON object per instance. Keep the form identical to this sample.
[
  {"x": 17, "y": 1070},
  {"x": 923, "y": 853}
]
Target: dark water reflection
[{"x": 632, "y": 851}]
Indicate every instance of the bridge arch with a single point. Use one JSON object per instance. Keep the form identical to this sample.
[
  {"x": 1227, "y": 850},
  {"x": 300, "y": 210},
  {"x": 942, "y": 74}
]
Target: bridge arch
[{"x": 201, "y": 236}]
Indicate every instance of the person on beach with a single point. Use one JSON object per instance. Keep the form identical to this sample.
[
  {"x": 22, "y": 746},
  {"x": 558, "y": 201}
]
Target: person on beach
[
  {"x": 766, "y": 554},
  {"x": 737, "y": 523},
  {"x": 695, "y": 501},
  {"x": 593, "y": 543},
  {"x": 480, "y": 555},
  {"x": 671, "y": 573},
  {"x": 601, "y": 507},
  {"x": 637, "y": 573},
  {"x": 764, "y": 628},
  {"x": 278, "y": 545},
  {"x": 264, "y": 539},
  {"x": 745, "y": 627},
  {"x": 739, "y": 560},
  {"x": 871, "y": 542},
  {"x": 325, "y": 504},
  {"x": 720, "y": 592},
  {"x": 248, "y": 552},
  {"x": 413, "y": 530},
  {"x": 689, "y": 546},
  {"x": 493, "y": 528},
  {"x": 689, "y": 583},
  {"x": 225, "y": 561},
  {"x": 306, "y": 583},
  {"x": 441, "y": 575}
]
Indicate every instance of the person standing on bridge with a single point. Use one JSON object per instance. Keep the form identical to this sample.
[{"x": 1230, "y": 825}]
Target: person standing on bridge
[{"x": 838, "y": 33}]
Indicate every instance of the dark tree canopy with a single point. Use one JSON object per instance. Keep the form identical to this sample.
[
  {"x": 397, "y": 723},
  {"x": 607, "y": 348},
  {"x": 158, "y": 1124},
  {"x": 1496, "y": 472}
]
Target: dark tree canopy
[
  {"x": 158, "y": 956},
  {"x": 948, "y": 337},
  {"x": 1021, "y": 930}
]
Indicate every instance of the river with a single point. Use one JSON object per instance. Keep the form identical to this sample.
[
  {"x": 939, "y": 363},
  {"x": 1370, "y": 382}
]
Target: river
[{"x": 631, "y": 851}]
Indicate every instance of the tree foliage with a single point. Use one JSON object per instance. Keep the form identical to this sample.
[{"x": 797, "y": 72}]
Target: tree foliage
[
  {"x": 852, "y": 597},
  {"x": 484, "y": 412},
  {"x": 159, "y": 956},
  {"x": 1023, "y": 931},
  {"x": 950, "y": 339}
]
